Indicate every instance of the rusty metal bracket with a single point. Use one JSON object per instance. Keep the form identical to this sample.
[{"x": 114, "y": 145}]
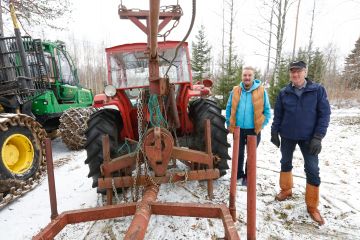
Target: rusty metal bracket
[
  {"x": 142, "y": 212},
  {"x": 148, "y": 206},
  {"x": 128, "y": 181},
  {"x": 158, "y": 145}
]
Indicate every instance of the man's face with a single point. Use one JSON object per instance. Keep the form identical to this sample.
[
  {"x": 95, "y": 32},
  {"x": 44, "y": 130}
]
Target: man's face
[
  {"x": 247, "y": 77},
  {"x": 297, "y": 76}
]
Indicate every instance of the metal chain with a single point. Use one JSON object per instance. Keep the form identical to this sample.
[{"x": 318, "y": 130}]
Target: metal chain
[
  {"x": 167, "y": 33},
  {"x": 115, "y": 191},
  {"x": 125, "y": 194},
  {"x": 173, "y": 8},
  {"x": 171, "y": 179},
  {"x": 140, "y": 117},
  {"x": 147, "y": 175},
  {"x": 140, "y": 114}
]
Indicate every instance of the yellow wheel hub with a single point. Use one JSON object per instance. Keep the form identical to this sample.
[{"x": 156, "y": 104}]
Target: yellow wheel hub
[{"x": 17, "y": 153}]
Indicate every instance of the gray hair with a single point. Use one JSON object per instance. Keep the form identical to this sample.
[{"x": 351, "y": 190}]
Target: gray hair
[{"x": 249, "y": 68}]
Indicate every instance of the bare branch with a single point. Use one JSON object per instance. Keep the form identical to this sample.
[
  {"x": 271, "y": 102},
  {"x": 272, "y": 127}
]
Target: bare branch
[
  {"x": 40, "y": 12},
  {"x": 258, "y": 39}
]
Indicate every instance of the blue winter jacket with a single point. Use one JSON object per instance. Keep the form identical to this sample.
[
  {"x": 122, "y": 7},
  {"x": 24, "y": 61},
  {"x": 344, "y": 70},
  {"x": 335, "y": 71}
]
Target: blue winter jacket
[
  {"x": 245, "y": 109},
  {"x": 300, "y": 118}
]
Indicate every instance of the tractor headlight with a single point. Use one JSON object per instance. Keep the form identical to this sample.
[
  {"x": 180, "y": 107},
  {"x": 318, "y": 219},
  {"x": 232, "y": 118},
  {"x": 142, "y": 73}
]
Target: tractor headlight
[{"x": 110, "y": 90}]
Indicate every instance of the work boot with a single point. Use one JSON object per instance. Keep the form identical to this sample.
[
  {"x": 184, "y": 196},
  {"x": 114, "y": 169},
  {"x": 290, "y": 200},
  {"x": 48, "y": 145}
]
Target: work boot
[
  {"x": 286, "y": 184},
  {"x": 312, "y": 202}
]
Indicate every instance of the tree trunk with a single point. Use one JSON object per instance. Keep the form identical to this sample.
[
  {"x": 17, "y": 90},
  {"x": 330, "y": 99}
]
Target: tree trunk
[
  {"x": 281, "y": 20},
  {"x": 1, "y": 21},
  {"x": 296, "y": 26},
  {"x": 311, "y": 33},
  {"x": 269, "y": 43}
]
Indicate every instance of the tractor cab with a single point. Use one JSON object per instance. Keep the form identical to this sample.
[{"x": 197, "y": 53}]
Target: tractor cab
[{"x": 128, "y": 64}]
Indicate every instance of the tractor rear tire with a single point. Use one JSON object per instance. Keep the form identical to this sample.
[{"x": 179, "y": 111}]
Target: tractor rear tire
[
  {"x": 200, "y": 110},
  {"x": 73, "y": 124},
  {"x": 21, "y": 152},
  {"x": 105, "y": 121}
]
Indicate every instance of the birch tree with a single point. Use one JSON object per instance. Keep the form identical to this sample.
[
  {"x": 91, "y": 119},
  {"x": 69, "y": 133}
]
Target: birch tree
[
  {"x": 280, "y": 11},
  {"x": 311, "y": 33},
  {"x": 232, "y": 64},
  {"x": 36, "y": 12}
]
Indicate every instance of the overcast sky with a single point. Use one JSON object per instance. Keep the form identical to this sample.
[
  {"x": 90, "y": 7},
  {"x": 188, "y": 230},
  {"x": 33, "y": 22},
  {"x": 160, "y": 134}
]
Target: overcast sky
[{"x": 336, "y": 21}]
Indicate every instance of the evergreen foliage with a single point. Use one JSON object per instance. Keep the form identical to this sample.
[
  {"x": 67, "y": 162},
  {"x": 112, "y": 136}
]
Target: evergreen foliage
[
  {"x": 316, "y": 64},
  {"x": 231, "y": 78},
  {"x": 351, "y": 74},
  {"x": 257, "y": 74},
  {"x": 200, "y": 61},
  {"x": 283, "y": 80}
]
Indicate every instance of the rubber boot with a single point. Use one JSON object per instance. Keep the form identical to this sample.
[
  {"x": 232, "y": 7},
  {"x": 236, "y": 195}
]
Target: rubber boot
[
  {"x": 312, "y": 202},
  {"x": 286, "y": 184}
]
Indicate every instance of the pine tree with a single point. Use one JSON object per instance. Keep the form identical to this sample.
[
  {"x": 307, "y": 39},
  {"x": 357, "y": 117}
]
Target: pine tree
[
  {"x": 316, "y": 64},
  {"x": 200, "y": 62},
  {"x": 317, "y": 67},
  {"x": 351, "y": 74},
  {"x": 257, "y": 74},
  {"x": 231, "y": 78}
]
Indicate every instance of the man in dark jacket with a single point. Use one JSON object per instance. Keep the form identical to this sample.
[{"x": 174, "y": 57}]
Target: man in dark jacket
[{"x": 301, "y": 117}]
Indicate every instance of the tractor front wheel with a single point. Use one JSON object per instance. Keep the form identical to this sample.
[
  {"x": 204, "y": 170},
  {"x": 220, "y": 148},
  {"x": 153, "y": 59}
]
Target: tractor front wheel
[
  {"x": 105, "y": 121},
  {"x": 200, "y": 110}
]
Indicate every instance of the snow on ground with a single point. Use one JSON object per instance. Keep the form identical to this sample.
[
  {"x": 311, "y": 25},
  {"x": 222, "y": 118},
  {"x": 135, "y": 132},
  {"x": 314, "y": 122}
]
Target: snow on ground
[{"x": 339, "y": 203}]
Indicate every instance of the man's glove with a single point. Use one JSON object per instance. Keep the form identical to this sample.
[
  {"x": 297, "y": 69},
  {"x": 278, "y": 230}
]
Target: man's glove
[
  {"x": 315, "y": 145},
  {"x": 275, "y": 139}
]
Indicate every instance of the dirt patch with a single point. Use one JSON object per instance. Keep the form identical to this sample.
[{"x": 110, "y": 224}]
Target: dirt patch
[
  {"x": 61, "y": 161},
  {"x": 350, "y": 120}
]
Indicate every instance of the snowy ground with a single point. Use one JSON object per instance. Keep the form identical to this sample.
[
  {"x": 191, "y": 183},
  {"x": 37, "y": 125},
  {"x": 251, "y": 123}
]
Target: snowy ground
[{"x": 339, "y": 203}]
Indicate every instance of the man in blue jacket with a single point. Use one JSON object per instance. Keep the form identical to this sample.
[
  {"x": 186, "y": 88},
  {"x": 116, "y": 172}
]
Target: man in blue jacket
[
  {"x": 301, "y": 117},
  {"x": 248, "y": 107}
]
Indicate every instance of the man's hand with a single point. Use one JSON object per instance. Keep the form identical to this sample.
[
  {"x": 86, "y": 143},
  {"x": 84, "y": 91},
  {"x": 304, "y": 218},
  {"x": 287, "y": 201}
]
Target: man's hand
[
  {"x": 315, "y": 146},
  {"x": 275, "y": 139}
]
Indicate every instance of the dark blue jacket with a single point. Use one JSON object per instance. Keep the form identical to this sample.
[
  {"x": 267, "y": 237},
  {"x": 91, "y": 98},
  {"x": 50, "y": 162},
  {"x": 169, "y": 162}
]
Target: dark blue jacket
[{"x": 300, "y": 118}]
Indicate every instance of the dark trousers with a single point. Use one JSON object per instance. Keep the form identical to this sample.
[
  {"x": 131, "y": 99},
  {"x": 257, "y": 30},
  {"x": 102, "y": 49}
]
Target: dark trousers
[
  {"x": 243, "y": 140},
  {"x": 311, "y": 164}
]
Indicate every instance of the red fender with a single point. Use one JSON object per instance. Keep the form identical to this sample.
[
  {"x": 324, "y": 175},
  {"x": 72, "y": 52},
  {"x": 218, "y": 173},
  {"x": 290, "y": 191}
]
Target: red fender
[
  {"x": 123, "y": 104},
  {"x": 186, "y": 92}
]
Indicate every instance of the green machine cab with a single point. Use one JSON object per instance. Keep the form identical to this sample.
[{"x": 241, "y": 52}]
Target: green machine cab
[{"x": 65, "y": 91}]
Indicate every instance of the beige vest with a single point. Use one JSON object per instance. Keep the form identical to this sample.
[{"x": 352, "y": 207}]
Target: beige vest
[{"x": 258, "y": 101}]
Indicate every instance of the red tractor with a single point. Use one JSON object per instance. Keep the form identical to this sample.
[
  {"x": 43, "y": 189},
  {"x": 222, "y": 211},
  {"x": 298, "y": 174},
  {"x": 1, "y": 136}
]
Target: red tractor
[
  {"x": 149, "y": 114},
  {"x": 137, "y": 98}
]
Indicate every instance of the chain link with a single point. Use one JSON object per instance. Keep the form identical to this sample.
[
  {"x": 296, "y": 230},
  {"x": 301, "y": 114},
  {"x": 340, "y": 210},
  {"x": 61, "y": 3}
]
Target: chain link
[
  {"x": 171, "y": 8},
  {"x": 140, "y": 117},
  {"x": 115, "y": 191},
  {"x": 124, "y": 190}
]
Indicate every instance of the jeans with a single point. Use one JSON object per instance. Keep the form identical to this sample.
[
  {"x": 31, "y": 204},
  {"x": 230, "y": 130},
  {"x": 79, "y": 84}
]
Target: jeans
[
  {"x": 242, "y": 142},
  {"x": 311, "y": 165}
]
